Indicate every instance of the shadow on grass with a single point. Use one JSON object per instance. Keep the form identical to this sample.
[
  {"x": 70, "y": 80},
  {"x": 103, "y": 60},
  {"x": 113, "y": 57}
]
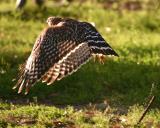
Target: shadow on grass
[{"x": 118, "y": 81}]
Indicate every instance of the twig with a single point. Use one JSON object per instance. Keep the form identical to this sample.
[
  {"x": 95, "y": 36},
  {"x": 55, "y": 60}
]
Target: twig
[{"x": 146, "y": 110}]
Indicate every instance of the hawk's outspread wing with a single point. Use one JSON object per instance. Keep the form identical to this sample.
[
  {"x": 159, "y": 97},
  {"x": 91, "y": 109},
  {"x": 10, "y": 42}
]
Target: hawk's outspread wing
[
  {"x": 71, "y": 63},
  {"x": 60, "y": 50}
]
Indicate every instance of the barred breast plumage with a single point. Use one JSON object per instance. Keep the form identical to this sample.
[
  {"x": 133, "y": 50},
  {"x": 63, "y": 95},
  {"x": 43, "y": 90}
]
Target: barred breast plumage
[{"x": 60, "y": 50}]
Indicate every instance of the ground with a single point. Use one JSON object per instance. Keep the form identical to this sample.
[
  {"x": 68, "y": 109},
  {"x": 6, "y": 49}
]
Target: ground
[{"x": 110, "y": 95}]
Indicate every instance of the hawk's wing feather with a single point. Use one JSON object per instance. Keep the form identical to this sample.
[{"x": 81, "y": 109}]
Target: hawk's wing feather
[
  {"x": 50, "y": 48},
  {"x": 52, "y": 74},
  {"x": 96, "y": 42},
  {"x": 69, "y": 64},
  {"x": 75, "y": 60}
]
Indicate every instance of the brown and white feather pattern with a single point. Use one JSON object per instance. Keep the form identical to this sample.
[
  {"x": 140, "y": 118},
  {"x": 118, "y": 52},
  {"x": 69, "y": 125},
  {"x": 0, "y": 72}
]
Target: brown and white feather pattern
[
  {"x": 96, "y": 42},
  {"x": 60, "y": 50},
  {"x": 76, "y": 59}
]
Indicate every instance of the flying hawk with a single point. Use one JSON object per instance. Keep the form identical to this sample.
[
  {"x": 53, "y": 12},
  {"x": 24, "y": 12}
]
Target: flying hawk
[{"x": 60, "y": 50}]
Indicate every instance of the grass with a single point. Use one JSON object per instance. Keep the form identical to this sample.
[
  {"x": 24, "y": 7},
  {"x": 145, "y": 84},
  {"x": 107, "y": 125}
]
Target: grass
[
  {"x": 46, "y": 116},
  {"x": 124, "y": 82}
]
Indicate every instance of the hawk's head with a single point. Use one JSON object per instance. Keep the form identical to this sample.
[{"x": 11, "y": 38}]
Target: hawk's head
[{"x": 54, "y": 21}]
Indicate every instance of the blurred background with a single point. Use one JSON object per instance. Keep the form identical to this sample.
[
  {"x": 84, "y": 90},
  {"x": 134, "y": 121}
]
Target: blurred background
[{"x": 131, "y": 27}]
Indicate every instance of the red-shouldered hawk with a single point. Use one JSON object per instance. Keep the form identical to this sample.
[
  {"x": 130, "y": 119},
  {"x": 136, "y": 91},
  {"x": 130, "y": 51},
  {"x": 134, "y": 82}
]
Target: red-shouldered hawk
[{"x": 60, "y": 50}]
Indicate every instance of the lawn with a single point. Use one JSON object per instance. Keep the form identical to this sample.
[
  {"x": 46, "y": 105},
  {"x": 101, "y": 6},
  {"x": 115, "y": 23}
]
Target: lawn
[{"x": 110, "y": 95}]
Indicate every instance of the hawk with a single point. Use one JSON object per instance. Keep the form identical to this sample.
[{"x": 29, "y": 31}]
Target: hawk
[{"x": 60, "y": 50}]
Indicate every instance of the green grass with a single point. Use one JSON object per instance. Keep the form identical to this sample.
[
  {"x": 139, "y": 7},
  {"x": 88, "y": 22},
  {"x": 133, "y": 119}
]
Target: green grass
[
  {"x": 46, "y": 116},
  {"x": 124, "y": 82},
  {"x": 49, "y": 116}
]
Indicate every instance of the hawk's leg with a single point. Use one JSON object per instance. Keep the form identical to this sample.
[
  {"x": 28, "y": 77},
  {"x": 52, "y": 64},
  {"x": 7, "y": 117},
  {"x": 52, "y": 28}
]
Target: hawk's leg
[{"x": 99, "y": 57}]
